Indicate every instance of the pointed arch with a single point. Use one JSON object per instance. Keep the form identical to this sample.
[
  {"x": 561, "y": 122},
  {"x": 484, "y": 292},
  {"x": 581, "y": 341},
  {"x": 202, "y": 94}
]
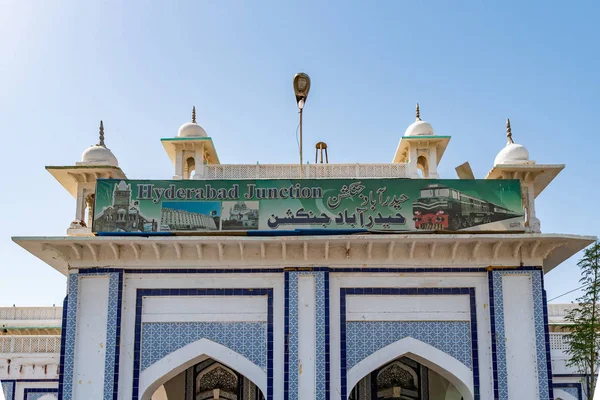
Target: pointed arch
[
  {"x": 444, "y": 364},
  {"x": 180, "y": 360}
]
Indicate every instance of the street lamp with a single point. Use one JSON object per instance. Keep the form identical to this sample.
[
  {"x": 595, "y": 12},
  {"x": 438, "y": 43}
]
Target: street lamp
[{"x": 301, "y": 88}]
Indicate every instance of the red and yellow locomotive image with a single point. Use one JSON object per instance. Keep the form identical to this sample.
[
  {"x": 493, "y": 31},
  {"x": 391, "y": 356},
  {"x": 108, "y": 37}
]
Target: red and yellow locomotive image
[{"x": 443, "y": 208}]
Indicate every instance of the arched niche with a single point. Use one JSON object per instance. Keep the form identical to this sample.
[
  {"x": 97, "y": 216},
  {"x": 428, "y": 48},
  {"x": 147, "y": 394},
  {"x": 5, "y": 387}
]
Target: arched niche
[
  {"x": 178, "y": 361},
  {"x": 444, "y": 364}
]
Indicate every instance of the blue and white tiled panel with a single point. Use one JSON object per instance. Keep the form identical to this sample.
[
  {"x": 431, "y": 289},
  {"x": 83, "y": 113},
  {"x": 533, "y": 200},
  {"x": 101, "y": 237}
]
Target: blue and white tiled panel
[
  {"x": 111, "y": 329},
  {"x": 238, "y": 323},
  {"x": 246, "y": 338},
  {"x": 40, "y": 394},
  {"x": 8, "y": 389},
  {"x": 573, "y": 389},
  {"x": 293, "y": 330},
  {"x": 365, "y": 338},
  {"x": 374, "y": 322},
  {"x": 539, "y": 325}
]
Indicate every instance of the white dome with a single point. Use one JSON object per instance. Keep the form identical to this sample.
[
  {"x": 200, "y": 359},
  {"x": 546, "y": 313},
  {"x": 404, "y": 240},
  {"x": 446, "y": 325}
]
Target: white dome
[
  {"x": 191, "y": 129},
  {"x": 512, "y": 154},
  {"x": 419, "y": 128},
  {"x": 99, "y": 155}
]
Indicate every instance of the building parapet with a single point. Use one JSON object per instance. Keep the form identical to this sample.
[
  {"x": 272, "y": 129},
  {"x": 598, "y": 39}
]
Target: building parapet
[
  {"x": 309, "y": 171},
  {"x": 30, "y": 313}
]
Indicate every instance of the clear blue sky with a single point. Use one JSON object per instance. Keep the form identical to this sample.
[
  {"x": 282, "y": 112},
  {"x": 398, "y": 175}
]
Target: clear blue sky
[{"x": 140, "y": 66}]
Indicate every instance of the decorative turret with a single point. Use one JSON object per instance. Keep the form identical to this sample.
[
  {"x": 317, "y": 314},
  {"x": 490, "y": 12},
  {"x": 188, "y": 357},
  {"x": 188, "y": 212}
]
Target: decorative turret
[
  {"x": 191, "y": 150},
  {"x": 513, "y": 153},
  {"x": 97, "y": 161},
  {"x": 421, "y": 149},
  {"x": 512, "y": 162},
  {"x": 99, "y": 154}
]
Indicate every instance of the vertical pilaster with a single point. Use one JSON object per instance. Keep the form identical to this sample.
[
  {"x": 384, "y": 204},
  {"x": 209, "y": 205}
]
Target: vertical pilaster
[
  {"x": 67, "y": 359},
  {"x": 307, "y": 335},
  {"x": 519, "y": 345},
  {"x": 113, "y": 336}
]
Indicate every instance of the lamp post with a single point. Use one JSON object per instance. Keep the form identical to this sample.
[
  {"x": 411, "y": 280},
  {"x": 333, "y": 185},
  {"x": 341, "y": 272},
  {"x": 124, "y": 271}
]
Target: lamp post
[{"x": 301, "y": 88}]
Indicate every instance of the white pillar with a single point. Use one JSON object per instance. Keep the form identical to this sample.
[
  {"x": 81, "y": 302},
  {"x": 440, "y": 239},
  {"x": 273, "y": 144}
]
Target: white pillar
[
  {"x": 80, "y": 207},
  {"x": 306, "y": 337},
  {"x": 433, "y": 162},
  {"x": 199, "y": 160},
  {"x": 412, "y": 161},
  {"x": 178, "y": 162},
  {"x": 520, "y": 337},
  {"x": 534, "y": 223},
  {"x": 90, "y": 338}
]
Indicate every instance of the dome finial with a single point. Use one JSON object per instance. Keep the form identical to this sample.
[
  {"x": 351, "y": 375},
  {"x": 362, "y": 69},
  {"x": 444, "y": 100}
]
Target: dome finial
[
  {"x": 194, "y": 114},
  {"x": 509, "y": 132},
  {"x": 101, "y": 143},
  {"x": 418, "y": 112}
]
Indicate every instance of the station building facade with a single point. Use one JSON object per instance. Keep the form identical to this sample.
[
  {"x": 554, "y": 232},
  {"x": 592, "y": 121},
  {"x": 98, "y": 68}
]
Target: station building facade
[{"x": 453, "y": 307}]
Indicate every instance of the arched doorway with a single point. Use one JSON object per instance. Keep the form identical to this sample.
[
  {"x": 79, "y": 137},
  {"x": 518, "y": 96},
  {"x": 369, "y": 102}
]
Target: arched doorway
[
  {"x": 208, "y": 380},
  {"x": 404, "y": 379},
  {"x": 175, "y": 364}
]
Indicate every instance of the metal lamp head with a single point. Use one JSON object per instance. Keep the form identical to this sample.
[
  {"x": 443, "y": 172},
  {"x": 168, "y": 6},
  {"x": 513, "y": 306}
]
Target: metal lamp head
[{"x": 301, "y": 88}]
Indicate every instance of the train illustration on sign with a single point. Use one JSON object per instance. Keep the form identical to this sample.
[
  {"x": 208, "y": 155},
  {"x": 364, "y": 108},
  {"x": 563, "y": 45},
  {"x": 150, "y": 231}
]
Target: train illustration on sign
[{"x": 443, "y": 208}]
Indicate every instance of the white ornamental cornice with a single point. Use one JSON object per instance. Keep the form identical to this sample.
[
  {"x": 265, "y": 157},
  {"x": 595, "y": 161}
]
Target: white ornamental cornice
[{"x": 391, "y": 250}]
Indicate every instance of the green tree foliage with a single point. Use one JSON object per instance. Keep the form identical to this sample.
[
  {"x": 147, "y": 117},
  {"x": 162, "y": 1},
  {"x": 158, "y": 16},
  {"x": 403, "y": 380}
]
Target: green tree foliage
[{"x": 584, "y": 333}]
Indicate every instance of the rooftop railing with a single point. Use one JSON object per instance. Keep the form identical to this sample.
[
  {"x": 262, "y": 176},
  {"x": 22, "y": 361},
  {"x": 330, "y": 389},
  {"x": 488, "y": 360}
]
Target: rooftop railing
[
  {"x": 23, "y": 344},
  {"x": 309, "y": 171},
  {"x": 30, "y": 313},
  {"x": 560, "y": 310}
]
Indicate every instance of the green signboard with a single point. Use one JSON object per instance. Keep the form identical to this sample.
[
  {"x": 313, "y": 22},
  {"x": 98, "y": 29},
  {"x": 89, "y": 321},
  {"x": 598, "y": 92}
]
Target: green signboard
[{"x": 140, "y": 206}]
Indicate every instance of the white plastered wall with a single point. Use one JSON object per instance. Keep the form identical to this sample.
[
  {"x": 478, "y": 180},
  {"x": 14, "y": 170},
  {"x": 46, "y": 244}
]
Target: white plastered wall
[
  {"x": 519, "y": 328},
  {"x": 198, "y": 280},
  {"x": 479, "y": 281},
  {"x": 90, "y": 340}
]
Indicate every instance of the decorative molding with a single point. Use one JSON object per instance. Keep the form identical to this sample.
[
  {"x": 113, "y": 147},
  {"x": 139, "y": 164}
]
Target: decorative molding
[
  {"x": 391, "y": 246},
  {"x": 136, "y": 250},
  {"x": 177, "y": 248},
  {"x": 116, "y": 250},
  {"x": 380, "y": 250}
]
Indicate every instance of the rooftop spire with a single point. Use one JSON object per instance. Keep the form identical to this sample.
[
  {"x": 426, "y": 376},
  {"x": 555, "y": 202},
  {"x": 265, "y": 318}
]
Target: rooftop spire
[
  {"x": 194, "y": 114},
  {"x": 509, "y": 132},
  {"x": 418, "y": 113},
  {"x": 101, "y": 143}
]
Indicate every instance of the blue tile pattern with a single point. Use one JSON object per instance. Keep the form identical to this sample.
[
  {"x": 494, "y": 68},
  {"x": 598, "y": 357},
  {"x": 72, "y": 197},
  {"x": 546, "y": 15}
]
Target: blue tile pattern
[
  {"x": 408, "y": 291},
  {"x": 574, "y": 389},
  {"x": 8, "y": 388},
  {"x": 141, "y": 293},
  {"x": 365, "y": 338},
  {"x": 36, "y": 396},
  {"x": 571, "y": 390},
  {"x": 500, "y": 337},
  {"x": 36, "y": 393},
  {"x": 162, "y": 338},
  {"x": 113, "y": 325},
  {"x": 69, "y": 338},
  {"x": 321, "y": 334}
]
